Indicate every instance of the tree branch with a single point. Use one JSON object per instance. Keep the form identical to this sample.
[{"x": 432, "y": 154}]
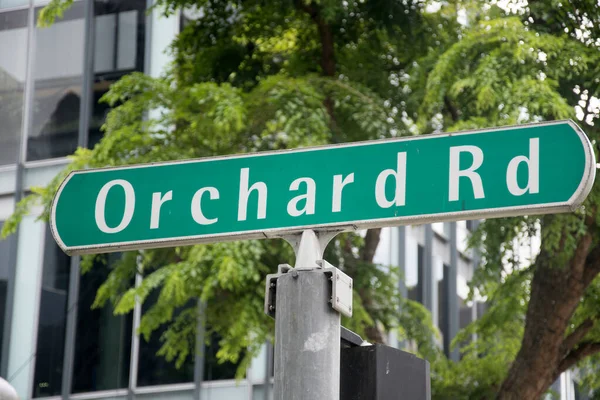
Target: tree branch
[
  {"x": 328, "y": 64},
  {"x": 584, "y": 350},
  {"x": 371, "y": 243},
  {"x": 592, "y": 266},
  {"x": 325, "y": 35},
  {"x": 579, "y": 260},
  {"x": 575, "y": 337},
  {"x": 451, "y": 108}
]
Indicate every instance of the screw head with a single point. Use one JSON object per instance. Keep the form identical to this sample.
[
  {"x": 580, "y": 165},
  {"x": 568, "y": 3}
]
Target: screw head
[{"x": 337, "y": 299}]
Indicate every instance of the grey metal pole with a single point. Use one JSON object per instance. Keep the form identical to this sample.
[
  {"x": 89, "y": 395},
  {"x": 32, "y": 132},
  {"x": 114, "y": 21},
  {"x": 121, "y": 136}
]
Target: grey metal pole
[{"x": 307, "y": 330}]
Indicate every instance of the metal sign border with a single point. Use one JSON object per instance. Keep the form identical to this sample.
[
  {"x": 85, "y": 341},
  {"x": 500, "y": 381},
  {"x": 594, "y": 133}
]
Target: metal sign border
[{"x": 573, "y": 203}]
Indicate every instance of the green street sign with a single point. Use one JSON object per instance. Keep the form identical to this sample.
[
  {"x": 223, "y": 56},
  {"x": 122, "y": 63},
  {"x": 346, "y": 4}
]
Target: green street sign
[{"x": 529, "y": 169}]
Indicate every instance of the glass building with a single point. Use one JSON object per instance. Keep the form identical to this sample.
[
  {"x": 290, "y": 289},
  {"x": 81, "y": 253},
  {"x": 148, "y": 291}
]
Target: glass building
[{"x": 53, "y": 344}]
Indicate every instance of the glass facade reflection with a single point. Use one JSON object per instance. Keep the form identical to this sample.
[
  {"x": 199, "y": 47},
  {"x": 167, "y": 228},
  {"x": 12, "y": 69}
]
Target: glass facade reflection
[
  {"x": 213, "y": 369},
  {"x": 466, "y": 312},
  {"x": 13, "y": 3},
  {"x": 443, "y": 307},
  {"x": 103, "y": 342},
  {"x": 58, "y": 69},
  {"x": 119, "y": 40},
  {"x": 13, "y": 67},
  {"x": 52, "y": 320},
  {"x": 414, "y": 281},
  {"x": 157, "y": 370}
]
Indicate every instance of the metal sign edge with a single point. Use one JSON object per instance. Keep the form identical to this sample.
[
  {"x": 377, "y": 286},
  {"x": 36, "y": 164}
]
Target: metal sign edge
[
  {"x": 589, "y": 173},
  {"x": 52, "y": 220},
  {"x": 325, "y": 147},
  {"x": 538, "y": 209}
]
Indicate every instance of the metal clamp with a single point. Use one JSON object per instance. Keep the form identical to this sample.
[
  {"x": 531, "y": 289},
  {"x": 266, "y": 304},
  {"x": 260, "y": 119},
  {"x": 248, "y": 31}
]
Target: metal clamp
[
  {"x": 271, "y": 288},
  {"x": 341, "y": 288}
]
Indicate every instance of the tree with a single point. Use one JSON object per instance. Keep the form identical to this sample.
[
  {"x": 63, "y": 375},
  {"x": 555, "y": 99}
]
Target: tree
[
  {"x": 255, "y": 75},
  {"x": 535, "y": 66}
]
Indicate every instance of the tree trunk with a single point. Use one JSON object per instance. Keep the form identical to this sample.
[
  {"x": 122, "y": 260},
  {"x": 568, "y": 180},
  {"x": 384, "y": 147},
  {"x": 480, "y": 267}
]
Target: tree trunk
[
  {"x": 327, "y": 62},
  {"x": 555, "y": 294},
  {"x": 327, "y": 47},
  {"x": 325, "y": 36},
  {"x": 371, "y": 243}
]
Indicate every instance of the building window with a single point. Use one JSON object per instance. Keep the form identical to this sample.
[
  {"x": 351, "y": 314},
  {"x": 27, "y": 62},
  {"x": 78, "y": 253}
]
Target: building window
[
  {"x": 470, "y": 225},
  {"x": 444, "y": 309},
  {"x": 12, "y": 3},
  {"x": 465, "y": 316},
  {"x": 447, "y": 229},
  {"x": 213, "y": 370},
  {"x": 118, "y": 49},
  {"x": 103, "y": 340},
  {"x": 462, "y": 236},
  {"x": 119, "y": 43},
  {"x": 155, "y": 369},
  {"x": 414, "y": 275},
  {"x": 58, "y": 61},
  {"x": 466, "y": 312},
  {"x": 52, "y": 320},
  {"x": 13, "y": 67}
]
